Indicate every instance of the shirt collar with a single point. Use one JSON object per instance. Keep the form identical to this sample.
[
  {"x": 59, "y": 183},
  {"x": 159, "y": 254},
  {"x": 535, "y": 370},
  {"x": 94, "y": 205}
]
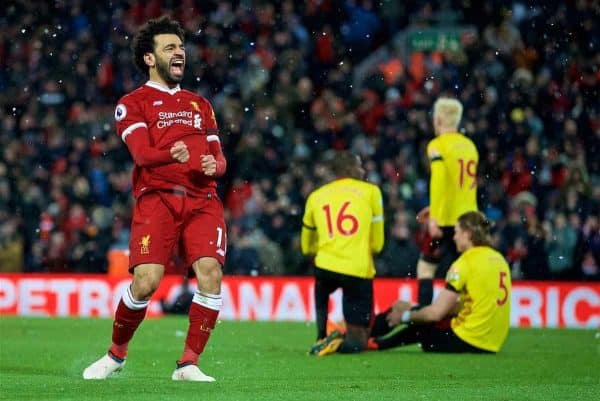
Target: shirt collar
[{"x": 162, "y": 88}]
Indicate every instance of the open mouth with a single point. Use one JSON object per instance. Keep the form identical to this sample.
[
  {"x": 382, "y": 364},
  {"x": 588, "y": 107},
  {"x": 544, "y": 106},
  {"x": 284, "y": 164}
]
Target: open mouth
[{"x": 177, "y": 66}]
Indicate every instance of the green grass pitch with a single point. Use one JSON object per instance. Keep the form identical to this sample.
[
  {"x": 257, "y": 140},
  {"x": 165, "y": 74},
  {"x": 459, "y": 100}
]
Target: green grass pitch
[{"x": 42, "y": 359}]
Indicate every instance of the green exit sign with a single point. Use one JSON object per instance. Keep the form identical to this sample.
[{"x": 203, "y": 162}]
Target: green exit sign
[{"x": 441, "y": 39}]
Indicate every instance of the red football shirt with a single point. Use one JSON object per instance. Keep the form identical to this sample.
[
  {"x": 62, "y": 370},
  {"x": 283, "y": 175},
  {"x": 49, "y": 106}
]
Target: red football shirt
[{"x": 166, "y": 116}]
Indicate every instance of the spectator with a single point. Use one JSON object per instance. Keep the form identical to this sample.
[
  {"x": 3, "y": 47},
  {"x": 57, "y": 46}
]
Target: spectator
[
  {"x": 590, "y": 269},
  {"x": 400, "y": 253},
  {"x": 534, "y": 264},
  {"x": 180, "y": 305},
  {"x": 527, "y": 93},
  {"x": 562, "y": 239}
]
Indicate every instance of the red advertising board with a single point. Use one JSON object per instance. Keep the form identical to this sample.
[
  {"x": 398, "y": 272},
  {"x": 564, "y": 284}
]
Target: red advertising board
[{"x": 534, "y": 304}]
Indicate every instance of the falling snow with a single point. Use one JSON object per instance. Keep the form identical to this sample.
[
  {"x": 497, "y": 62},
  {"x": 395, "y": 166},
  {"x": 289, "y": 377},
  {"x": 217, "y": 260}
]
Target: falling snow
[{"x": 365, "y": 92}]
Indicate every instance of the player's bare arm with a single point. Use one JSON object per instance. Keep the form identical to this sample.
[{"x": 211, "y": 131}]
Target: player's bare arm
[
  {"x": 423, "y": 215},
  {"x": 443, "y": 305},
  {"x": 395, "y": 316},
  {"x": 434, "y": 228}
]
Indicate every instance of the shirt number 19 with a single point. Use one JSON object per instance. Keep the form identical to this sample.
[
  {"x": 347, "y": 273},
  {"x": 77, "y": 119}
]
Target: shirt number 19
[{"x": 469, "y": 168}]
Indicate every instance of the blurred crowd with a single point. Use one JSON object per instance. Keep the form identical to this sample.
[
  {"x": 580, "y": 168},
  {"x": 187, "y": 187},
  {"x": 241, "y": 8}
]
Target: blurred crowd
[{"x": 290, "y": 82}]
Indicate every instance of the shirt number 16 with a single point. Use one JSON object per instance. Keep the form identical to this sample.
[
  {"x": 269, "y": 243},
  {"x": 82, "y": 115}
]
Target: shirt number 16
[{"x": 343, "y": 228}]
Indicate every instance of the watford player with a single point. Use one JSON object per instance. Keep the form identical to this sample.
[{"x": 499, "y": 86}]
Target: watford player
[
  {"x": 452, "y": 191},
  {"x": 343, "y": 225},
  {"x": 476, "y": 297},
  {"x": 173, "y": 139}
]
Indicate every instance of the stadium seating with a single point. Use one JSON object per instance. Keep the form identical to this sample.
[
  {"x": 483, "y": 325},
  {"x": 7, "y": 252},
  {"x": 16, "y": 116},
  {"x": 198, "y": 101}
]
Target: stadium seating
[{"x": 290, "y": 81}]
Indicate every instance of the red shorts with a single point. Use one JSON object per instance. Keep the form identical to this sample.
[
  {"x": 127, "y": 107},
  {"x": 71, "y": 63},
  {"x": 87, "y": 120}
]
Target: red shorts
[
  {"x": 430, "y": 248},
  {"x": 440, "y": 251},
  {"x": 164, "y": 222}
]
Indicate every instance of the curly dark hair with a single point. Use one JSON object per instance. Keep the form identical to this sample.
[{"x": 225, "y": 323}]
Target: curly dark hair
[
  {"x": 144, "y": 40},
  {"x": 343, "y": 164}
]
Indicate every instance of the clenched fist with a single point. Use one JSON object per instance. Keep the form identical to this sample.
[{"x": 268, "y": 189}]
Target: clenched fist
[
  {"x": 209, "y": 165},
  {"x": 179, "y": 152}
]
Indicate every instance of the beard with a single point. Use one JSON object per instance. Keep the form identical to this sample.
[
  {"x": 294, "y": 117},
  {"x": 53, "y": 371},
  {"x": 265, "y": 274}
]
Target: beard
[{"x": 162, "y": 68}]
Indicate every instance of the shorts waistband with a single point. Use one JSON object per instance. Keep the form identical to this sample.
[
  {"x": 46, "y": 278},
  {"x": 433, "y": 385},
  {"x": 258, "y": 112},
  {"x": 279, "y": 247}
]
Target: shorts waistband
[{"x": 207, "y": 194}]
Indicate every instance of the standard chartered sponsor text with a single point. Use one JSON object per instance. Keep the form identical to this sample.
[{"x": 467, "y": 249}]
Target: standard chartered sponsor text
[
  {"x": 168, "y": 123},
  {"x": 163, "y": 115},
  {"x": 168, "y": 118}
]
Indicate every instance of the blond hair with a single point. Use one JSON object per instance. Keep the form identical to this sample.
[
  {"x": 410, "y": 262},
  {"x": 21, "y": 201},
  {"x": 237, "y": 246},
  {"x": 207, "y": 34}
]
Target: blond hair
[
  {"x": 449, "y": 111},
  {"x": 478, "y": 226}
]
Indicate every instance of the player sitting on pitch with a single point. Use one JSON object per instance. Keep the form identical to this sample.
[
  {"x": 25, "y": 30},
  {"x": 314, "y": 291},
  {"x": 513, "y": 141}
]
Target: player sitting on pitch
[{"x": 472, "y": 314}]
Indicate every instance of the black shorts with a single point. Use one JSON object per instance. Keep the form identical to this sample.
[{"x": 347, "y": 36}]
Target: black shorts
[
  {"x": 440, "y": 251},
  {"x": 438, "y": 337},
  {"x": 357, "y": 298}
]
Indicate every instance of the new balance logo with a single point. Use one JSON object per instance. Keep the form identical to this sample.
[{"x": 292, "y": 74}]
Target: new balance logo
[{"x": 157, "y": 103}]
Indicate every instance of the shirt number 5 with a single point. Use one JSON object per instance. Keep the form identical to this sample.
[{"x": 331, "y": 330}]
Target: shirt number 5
[{"x": 502, "y": 301}]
